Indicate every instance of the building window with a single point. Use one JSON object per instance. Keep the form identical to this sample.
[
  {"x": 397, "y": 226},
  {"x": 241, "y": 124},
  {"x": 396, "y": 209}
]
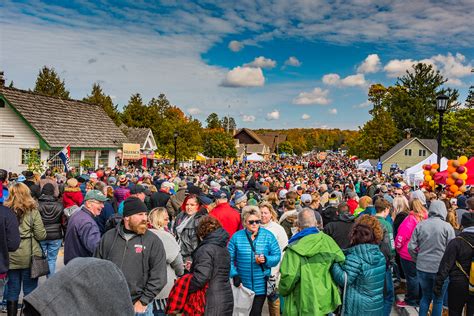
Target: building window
[
  {"x": 422, "y": 152},
  {"x": 56, "y": 162},
  {"x": 90, "y": 155},
  {"x": 407, "y": 152},
  {"x": 104, "y": 158},
  {"x": 26, "y": 154},
  {"x": 75, "y": 159}
]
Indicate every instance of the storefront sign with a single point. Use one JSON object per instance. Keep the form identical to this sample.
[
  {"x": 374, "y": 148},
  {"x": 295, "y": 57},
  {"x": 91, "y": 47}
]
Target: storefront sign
[{"x": 131, "y": 151}]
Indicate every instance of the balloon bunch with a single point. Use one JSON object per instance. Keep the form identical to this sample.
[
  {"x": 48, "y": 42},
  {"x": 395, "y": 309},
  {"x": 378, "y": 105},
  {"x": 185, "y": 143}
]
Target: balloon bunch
[
  {"x": 457, "y": 175},
  {"x": 429, "y": 173}
]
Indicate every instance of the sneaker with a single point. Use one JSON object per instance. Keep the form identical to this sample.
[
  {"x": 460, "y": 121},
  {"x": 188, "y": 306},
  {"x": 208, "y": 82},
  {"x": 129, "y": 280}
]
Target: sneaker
[{"x": 402, "y": 304}]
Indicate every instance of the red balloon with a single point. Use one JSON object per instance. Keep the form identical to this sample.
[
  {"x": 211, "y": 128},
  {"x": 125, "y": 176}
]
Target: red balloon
[
  {"x": 428, "y": 167},
  {"x": 460, "y": 169},
  {"x": 100, "y": 173},
  {"x": 459, "y": 182}
]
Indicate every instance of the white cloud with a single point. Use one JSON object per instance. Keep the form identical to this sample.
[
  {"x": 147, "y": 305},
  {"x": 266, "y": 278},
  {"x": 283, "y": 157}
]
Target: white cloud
[
  {"x": 305, "y": 117},
  {"x": 398, "y": 67},
  {"x": 261, "y": 62},
  {"x": 248, "y": 118},
  {"x": 194, "y": 111},
  {"x": 362, "y": 105},
  {"x": 332, "y": 111},
  {"x": 293, "y": 61},
  {"x": 370, "y": 65},
  {"x": 274, "y": 115},
  {"x": 236, "y": 46},
  {"x": 317, "y": 96},
  {"x": 244, "y": 77},
  {"x": 357, "y": 80},
  {"x": 331, "y": 79}
]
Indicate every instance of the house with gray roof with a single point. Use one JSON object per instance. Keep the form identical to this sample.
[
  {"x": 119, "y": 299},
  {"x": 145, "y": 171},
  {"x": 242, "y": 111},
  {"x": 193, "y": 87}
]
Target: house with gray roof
[
  {"x": 30, "y": 121},
  {"x": 408, "y": 153}
]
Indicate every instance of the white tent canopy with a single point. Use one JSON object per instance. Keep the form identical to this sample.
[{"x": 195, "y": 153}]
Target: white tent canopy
[
  {"x": 414, "y": 174},
  {"x": 255, "y": 157},
  {"x": 366, "y": 165}
]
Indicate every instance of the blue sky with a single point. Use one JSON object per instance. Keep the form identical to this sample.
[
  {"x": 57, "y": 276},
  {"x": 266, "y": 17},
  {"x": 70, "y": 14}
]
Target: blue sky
[{"x": 269, "y": 64}]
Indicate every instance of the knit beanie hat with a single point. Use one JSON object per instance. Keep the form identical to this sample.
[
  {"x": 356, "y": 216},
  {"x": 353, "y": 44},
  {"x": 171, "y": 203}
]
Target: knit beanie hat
[
  {"x": 467, "y": 219},
  {"x": 48, "y": 189},
  {"x": 239, "y": 196},
  {"x": 132, "y": 206}
]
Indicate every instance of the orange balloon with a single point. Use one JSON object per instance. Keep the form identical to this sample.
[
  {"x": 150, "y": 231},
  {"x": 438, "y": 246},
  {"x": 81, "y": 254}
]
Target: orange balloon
[
  {"x": 453, "y": 188},
  {"x": 450, "y": 163},
  {"x": 456, "y": 163},
  {"x": 457, "y": 193},
  {"x": 455, "y": 175},
  {"x": 451, "y": 169},
  {"x": 432, "y": 183},
  {"x": 462, "y": 160},
  {"x": 435, "y": 166},
  {"x": 463, "y": 188},
  {"x": 433, "y": 171},
  {"x": 449, "y": 181},
  {"x": 428, "y": 178}
]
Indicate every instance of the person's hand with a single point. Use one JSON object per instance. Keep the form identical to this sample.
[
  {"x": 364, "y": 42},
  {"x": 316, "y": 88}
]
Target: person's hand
[
  {"x": 237, "y": 281},
  {"x": 139, "y": 307},
  {"x": 260, "y": 259},
  {"x": 187, "y": 265}
]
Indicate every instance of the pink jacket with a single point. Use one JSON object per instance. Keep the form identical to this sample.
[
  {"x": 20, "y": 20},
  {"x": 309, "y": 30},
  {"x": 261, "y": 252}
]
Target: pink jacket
[{"x": 404, "y": 234}]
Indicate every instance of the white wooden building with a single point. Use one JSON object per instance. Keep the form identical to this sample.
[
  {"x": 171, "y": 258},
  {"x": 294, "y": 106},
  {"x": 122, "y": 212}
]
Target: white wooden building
[{"x": 29, "y": 121}]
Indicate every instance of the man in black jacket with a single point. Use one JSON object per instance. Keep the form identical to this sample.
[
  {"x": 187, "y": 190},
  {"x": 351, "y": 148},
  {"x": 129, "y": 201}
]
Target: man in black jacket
[
  {"x": 340, "y": 228},
  {"x": 456, "y": 264},
  {"x": 139, "y": 253},
  {"x": 160, "y": 198}
]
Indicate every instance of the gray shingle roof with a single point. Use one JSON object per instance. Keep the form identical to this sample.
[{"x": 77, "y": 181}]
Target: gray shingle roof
[
  {"x": 136, "y": 135},
  {"x": 431, "y": 144},
  {"x": 61, "y": 122}
]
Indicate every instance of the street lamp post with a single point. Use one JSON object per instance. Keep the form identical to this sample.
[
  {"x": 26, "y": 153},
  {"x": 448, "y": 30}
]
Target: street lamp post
[
  {"x": 379, "y": 165},
  {"x": 441, "y": 107},
  {"x": 175, "y": 136}
]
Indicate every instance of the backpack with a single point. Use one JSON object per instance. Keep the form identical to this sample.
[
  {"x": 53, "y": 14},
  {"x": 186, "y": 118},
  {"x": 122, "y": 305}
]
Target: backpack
[
  {"x": 113, "y": 221},
  {"x": 470, "y": 275}
]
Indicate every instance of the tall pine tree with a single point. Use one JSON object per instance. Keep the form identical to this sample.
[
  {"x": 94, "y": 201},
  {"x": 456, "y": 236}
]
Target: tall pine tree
[
  {"x": 98, "y": 97},
  {"x": 135, "y": 112},
  {"x": 48, "y": 83}
]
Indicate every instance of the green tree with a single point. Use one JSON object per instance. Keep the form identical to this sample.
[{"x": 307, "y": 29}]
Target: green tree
[
  {"x": 457, "y": 138},
  {"x": 285, "y": 147},
  {"x": 34, "y": 162},
  {"x": 411, "y": 102},
  {"x": 228, "y": 124},
  {"x": 218, "y": 143},
  {"x": 381, "y": 129},
  {"x": 377, "y": 93},
  {"x": 98, "y": 97},
  {"x": 135, "y": 112},
  {"x": 48, "y": 83},
  {"x": 213, "y": 121},
  {"x": 470, "y": 98}
]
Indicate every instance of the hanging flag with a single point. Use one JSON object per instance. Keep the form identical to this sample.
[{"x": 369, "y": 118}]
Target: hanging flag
[{"x": 65, "y": 155}]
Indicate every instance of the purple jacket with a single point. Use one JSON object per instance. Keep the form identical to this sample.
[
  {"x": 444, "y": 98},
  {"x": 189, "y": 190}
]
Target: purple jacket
[
  {"x": 82, "y": 235},
  {"x": 121, "y": 193}
]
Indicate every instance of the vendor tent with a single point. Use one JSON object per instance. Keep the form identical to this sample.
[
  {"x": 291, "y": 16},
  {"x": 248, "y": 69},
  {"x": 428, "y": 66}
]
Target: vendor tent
[
  {"x": 366, "y": 165},
  {"x": 255, "y": 157},
  {"x": 414, "y": 174},
  {"x": 200, "y": 157}
]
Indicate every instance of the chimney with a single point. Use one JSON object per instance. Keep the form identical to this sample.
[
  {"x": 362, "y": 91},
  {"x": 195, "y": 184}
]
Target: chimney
[
  {"x": 408, "y": 131},
  {"x": 2, "y": 79}
]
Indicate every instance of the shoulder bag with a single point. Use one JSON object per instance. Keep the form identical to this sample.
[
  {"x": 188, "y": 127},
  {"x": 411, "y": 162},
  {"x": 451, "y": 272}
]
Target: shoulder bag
[{"x": 39, "y": 264}]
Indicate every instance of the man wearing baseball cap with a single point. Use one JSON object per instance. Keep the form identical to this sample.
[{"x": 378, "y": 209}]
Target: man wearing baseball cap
[
  {"x": 83, "y": 234},
  {"x": 226, "y": 214},
  {"x": 139, "y": 253}
]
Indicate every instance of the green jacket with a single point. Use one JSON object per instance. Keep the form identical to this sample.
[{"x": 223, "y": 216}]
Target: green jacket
[
  {"x": 21, "y": 258},
  {"x": 306, "y": 282}
]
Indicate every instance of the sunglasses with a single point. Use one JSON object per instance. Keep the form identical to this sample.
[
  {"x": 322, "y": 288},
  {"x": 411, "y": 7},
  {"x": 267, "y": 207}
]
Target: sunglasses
[{"x": 255, "y": 222}]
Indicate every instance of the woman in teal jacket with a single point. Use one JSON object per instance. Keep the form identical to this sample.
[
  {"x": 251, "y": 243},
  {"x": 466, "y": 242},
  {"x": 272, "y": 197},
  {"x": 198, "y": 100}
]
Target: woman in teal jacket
[
  {"x": 363, "y": 272},
  {"x": 251, "y": 264}
]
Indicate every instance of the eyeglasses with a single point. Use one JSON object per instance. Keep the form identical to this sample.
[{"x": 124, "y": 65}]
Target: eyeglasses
[
  {"x": 255, "y": 222},
  {"x": 398, "y": 194}
]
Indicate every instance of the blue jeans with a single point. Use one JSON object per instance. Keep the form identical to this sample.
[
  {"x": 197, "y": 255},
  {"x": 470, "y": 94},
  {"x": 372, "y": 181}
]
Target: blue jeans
[
  {"x": 413, "y": 285},
  {"x": 427, "y": 281},
  {"x": 389, "y": 295},
  {"x": 148, "y": 311},
  {"x": 51, "y": 249},
  {"x": 17, "y": 278}
]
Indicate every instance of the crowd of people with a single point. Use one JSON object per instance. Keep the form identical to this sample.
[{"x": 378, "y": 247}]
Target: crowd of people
[{"x": 306, "y": 236}]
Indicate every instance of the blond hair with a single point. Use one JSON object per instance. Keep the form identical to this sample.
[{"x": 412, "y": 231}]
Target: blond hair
[
  {"x": 270, "y": 208},
  {"x": 418, "y": 209},
  {"x": 20, "y": 200},
  {"x": 156, "y": 217}
]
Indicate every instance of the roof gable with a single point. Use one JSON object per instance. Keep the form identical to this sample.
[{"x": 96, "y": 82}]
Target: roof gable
[
  {"x": 250, "y": 133},
  {"x": 142, "y": 136},
  {"x": 60, "y": 122},
  {"x": 430, "y": 144}
]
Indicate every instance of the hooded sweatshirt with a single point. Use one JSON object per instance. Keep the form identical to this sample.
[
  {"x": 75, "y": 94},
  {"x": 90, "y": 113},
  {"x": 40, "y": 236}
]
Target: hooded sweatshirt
[
  {"x": 84, "y": 285},
  {"x": 430, "y": 238}
]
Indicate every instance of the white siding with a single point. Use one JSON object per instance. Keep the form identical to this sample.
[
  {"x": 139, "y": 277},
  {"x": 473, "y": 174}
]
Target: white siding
[{"x": 14, "y": 136}]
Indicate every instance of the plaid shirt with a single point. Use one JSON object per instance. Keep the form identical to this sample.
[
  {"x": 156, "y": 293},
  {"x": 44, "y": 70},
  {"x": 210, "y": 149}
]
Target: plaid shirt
[{"x": 180, "y": 301}]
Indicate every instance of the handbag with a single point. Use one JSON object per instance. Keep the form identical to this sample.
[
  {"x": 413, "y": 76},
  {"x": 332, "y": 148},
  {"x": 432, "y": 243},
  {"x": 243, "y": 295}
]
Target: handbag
[
  {"x": 39, "y": 264},
  {"x": 243, "y": 300},
  {"x": 272, "y": 292}
]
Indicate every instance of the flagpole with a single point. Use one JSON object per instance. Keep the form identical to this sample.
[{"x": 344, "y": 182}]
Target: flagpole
[{"x": 47, "y": 161}]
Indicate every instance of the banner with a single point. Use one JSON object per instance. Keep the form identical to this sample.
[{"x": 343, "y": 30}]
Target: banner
[{"x": 131, "y": 151}]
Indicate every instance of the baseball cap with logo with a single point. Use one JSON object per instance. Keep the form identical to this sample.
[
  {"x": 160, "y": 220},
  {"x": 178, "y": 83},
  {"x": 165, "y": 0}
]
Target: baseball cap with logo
[{"x": 95, "y": 195}]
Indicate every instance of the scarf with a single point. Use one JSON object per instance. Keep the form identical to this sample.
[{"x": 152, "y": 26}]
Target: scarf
[
  {"x": 184, "y": 223},
  {"x": 303, "y": 233}
]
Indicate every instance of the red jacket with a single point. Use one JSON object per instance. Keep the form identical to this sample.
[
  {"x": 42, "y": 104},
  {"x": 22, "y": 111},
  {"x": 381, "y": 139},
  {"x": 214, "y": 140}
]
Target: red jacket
[
  {"x": 181, "y": 301},
  {"x": 72, "y": 196},
  {"x": 228, "y": 217}
]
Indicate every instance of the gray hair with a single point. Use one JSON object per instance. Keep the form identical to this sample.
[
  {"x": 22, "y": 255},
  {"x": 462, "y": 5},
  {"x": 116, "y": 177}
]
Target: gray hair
[
  {"x": 306, "y": 219},
  {"x": 250, "y": 210}
]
